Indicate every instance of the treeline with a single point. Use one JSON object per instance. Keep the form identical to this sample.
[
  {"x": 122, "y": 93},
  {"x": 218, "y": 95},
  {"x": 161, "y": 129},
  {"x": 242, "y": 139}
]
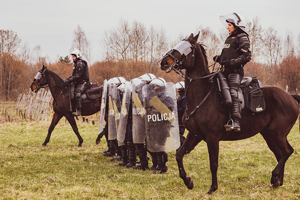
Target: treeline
[{"x": 132, "y": 49}]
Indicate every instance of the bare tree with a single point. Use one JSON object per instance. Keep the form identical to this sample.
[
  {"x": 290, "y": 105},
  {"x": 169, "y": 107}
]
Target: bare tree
[
  {"x": 255, "y": 32},
  {"x": 117, "y": 41},
  {"x": 212, "y": 43},
  {"x": 289, "y": 47},
  {"x": 272, "y": 47},
  {"x": 139, "y": 39},
  {"x": 81, "y": 42}
]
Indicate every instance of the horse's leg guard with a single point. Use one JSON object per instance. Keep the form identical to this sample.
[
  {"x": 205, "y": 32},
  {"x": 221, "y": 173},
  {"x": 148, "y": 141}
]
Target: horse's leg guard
[
  {"x": 188, "y": 145},
  {"x": 213, "y": 151},
  {"x": 72, "y": 122},
  {"x": 55, "y": 119}
]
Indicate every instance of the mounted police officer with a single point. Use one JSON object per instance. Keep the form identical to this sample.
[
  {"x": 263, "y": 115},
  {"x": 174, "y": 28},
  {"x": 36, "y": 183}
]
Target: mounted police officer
[
  {"x": 235, "y": 54},
  {"x": 80, "y": 77}
]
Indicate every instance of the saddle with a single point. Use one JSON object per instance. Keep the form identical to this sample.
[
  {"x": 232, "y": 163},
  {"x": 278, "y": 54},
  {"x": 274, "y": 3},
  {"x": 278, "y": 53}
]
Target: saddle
[
  {"x": 93, "y": 93},
  {"x": 249, "y": 93}
]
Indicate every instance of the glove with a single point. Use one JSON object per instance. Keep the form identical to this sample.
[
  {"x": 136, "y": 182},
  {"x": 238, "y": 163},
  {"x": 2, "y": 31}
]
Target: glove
[
  {"x": 216, "y": 58},
  {"x": 226, "y": 63},
  {"x": 67, "y": 81}
]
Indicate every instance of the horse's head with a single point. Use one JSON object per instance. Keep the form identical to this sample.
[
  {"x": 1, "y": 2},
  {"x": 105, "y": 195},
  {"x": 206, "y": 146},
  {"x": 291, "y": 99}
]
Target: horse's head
[
  {"x": 182, "y": 56},
  {"x": 39, "y": 80}
]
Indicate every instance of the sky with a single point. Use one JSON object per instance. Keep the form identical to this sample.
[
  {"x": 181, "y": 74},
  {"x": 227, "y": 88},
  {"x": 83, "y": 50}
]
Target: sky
[{"x": 51, "y": 24}]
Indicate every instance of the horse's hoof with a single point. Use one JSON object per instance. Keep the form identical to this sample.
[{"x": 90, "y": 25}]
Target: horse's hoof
[
  {"x": 97, "y": 141},
  {"x": 211, "y": 190},
  {"x": 189, "y": 183},
  {"x": 79, "y": 145},
  {"x": 276, "y": 184},
  {"x": 44, "y": 144},
  {"x": 275, "y": 181}
]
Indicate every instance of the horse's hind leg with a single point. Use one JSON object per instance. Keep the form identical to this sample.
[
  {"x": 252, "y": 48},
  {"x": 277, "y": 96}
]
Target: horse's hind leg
[
  {"x": 55, "y": 119},
  {"x": 188, "y": 145},
  {"x": 72, "y": 122},
  {"x": 282, "y": 150}
]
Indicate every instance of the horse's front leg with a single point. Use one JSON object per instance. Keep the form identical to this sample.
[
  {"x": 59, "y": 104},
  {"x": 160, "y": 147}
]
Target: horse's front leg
[
  {"x": 55, "y": 119},
  {"x": 188, "y": 145},
  {"x": 72, "y": 122},
  {"x": 213, "y": 151}
]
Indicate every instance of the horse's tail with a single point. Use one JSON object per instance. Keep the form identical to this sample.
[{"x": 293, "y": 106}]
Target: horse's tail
[{"x": 296, "y": 97}]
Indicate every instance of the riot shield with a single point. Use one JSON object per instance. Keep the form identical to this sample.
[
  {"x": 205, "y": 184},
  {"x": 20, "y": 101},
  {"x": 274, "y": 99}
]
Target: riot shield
[
  {"x": 112, "y": 131},
  {"x": 162, "y": 129},
  {"x": 126, "y": 100},
  {"x": 103, "y": 107},
  {"x": 138, "y": 112}
]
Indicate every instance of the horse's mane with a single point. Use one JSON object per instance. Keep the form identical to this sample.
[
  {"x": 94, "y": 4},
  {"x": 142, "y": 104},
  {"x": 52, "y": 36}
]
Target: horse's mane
[
  {"x": 203, "y": 51},
  {"x": 55, "y": 76}
]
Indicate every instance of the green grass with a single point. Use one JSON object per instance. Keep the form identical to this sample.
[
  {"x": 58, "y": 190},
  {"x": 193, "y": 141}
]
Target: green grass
[{"x": 63, "y": 171}]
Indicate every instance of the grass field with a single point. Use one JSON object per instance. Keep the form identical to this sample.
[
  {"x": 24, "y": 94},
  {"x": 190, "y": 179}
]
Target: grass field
[{"x": 63, "y": 171}]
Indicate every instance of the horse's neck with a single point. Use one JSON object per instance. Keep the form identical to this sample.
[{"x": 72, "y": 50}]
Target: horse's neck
[
  {"x": 197, "y": 87},
  {"x": 54, "y": 84}
]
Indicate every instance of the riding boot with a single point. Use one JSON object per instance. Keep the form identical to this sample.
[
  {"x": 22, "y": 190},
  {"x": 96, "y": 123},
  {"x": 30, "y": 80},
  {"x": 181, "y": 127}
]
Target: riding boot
[
  {"x": 131, "y": 155},
  {"x": 78, "y": 107},
  {"x": 154, "y": 160},
  {"x": 124, "y": 151},
  {"x": 142, "y": 153},
  {"x": 234, "y": 123}
]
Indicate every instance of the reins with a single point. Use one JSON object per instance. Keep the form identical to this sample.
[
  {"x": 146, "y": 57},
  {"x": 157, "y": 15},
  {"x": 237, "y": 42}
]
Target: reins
[{"x": 210, "y": 76}]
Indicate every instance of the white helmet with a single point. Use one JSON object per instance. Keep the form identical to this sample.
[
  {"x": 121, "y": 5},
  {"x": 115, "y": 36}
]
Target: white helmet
[
  {"x": 235, "y": 19},
  {"x": 76, "y": 53},
  {"x": 179, "y": 85},
  {"x": 147, "y": 77},
  {"x": 159, "y": 82},
  {"x": 121, "y": 87},
  {"x": 117, "y": 80},
  {"x": 137, "y": 82}
]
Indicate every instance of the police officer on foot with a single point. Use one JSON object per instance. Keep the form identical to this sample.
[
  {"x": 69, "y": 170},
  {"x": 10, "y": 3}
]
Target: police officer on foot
[
  {"x": 181, "y": 106},
  {"x": 235, "y": 54},
  {"x": 80, "y": 77}
]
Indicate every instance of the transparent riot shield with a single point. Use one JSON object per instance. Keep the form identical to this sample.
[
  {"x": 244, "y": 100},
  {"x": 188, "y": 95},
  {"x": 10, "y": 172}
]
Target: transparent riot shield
[
  {"x": 117, "y": 102},
  {"x": 161, "y": 120},
  {"x": 138, "y": 112},
  {"x": 112, "y": 131},
  {"x": 126, "y": 100},
  {"x": 103, "y": 107}
]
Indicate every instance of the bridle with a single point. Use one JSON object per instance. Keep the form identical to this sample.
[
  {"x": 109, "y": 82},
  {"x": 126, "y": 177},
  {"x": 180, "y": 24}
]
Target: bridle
[
  {"x": 189, "y": 49},
  {"x": 37, "y": 78},
  {"x": 185, "y": 47}
]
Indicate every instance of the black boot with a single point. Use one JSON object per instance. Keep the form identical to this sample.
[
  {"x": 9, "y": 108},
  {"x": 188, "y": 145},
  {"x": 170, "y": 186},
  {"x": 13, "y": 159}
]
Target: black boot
[
  {"x": 78, "y": 107},
  {"x": 234, "y": 124},
  {"x": 154, "y": 160},
  {"x": 142, "y": 153},
  {"x": 162, "y": 158},
  {"x": 131, "y": 155},
  {"x": 111, "y": 150},
  {"x": 164, "y": 167},
  {"x": 118, "y": 151},
  {"x": 124, "y": 151}
]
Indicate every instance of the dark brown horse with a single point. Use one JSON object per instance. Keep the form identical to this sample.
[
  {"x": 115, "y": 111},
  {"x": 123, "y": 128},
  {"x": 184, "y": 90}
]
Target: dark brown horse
[
  {"x": 205, "y": 122},
  {"x": 61, "y": 102}
]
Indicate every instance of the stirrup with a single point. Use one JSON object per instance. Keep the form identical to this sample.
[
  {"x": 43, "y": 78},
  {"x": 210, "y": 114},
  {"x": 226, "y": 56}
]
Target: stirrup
[
  {"x": 229, "y": 125},
  {"x": 77, "y": 113}
]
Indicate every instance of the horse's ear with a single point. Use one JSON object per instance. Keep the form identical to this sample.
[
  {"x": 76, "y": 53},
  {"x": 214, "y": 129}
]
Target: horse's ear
[
  {"x": 44, "y": 67},
  {"x": 195, "y": 39},
  {"x": 191, "y": 36}
]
